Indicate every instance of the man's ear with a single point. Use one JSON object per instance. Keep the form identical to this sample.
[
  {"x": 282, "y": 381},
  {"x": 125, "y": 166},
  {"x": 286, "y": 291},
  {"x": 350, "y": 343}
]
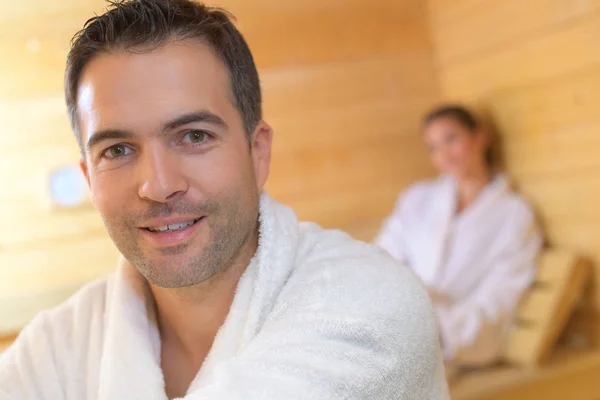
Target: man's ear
[
  {"x": 86, "y": 173},
  {"x": 84, "y": 169},
  {"x": 260, "y": 142}
]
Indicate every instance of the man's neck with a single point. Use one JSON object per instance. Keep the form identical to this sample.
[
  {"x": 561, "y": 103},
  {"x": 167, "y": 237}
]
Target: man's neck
[{"x": 190, "y": 317}]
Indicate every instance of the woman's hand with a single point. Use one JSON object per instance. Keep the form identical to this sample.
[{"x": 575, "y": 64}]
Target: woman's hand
[{"x": 439, "y": 299}]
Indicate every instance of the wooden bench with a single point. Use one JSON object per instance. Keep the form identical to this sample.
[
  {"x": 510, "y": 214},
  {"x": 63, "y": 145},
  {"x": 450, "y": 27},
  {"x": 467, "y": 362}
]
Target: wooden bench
[
  {"x": 568, "y": 375},
  {"x": 540, "y": 319}
]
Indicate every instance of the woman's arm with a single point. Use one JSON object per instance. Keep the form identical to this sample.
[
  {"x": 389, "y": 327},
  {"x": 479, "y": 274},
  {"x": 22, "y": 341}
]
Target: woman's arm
[{"x": 473, "y": 330}]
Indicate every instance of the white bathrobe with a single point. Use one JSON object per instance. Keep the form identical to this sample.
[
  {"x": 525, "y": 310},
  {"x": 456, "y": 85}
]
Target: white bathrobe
[
  {"x": 316, "y": 315},
  {"x": 483, "y": 258}
]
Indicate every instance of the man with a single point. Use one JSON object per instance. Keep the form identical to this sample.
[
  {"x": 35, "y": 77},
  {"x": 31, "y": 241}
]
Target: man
[{"x": 221, "y": 293}]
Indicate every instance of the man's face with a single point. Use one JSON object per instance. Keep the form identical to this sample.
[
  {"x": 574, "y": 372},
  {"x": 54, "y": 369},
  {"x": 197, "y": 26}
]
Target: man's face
[{"x": 168, "y": 161}]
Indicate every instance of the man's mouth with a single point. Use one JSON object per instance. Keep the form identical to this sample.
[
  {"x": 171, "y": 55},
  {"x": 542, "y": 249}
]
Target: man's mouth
[{"x": 172, "y": 227}]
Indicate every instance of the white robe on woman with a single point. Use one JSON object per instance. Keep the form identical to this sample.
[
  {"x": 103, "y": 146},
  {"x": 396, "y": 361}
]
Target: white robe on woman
[
  {"x": 316, "y": 315},
  {"x": 483, "y": 258}
]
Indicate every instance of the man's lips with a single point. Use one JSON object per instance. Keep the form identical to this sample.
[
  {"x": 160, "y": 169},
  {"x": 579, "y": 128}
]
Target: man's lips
[
  {"x": 172, "y": 233},
  {"x": 171, "y": 224}
]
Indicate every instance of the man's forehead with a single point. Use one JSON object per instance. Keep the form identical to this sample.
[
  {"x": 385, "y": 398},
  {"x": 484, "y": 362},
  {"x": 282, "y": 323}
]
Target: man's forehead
[
  {"x": 185, "y": 62},
  {"x": 129, "y": 86}
]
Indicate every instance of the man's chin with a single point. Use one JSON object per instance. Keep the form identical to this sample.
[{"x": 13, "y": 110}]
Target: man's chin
[
  {"x": 174, "y": 269},
  {"x": 171, "y": 275}
]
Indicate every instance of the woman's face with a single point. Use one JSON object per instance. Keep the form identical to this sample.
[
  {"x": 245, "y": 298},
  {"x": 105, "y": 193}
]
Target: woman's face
[{"x": 454, "y": 148}]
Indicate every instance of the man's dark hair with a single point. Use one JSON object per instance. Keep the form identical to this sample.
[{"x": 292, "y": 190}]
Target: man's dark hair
[{"x": 144, "y": 25}]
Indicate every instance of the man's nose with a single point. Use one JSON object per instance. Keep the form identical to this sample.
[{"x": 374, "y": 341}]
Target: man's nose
[{"x": 162, "y": 178}]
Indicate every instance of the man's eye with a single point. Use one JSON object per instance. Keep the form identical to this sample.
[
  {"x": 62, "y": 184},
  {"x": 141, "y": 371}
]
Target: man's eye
[
  {"x": 197, "y": 137},
  {"x": 116, "y": 151}
]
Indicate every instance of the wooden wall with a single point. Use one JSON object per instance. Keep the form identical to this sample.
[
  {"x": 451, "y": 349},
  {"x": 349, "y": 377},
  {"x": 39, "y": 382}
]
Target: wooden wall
[
  {"x": 345, "y": 83},
  {"x": 535, "y": 67}
]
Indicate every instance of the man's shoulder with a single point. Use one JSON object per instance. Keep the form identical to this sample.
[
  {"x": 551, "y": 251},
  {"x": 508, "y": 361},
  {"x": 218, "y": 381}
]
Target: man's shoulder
[
  {"x": 81, "y": 312},
  {"x": 65, "y": 328},
  {"x": 360, "y": 294},
  {"x": 89, "y": 298},
  {"x": 358, "y": 272}
]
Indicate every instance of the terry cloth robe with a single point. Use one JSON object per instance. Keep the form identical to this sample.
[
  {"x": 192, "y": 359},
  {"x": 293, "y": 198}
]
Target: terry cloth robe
[
  {"x": 483, "y": 258},
  {"x": 316, "y": 315}
]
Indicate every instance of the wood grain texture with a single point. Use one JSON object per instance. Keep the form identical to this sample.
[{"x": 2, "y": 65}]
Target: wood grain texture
[
  {"x": 545, "y": 309},
  {"x": 569, "y": 375},
  {"x": 502, "y": 23},
  {"x": 280, "y": 34},
  {"x": 571, "y": 48}
]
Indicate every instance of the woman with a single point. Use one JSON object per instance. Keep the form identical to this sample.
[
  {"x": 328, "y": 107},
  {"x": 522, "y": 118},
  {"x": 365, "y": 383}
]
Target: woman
[{"x": 470, "y": 239}]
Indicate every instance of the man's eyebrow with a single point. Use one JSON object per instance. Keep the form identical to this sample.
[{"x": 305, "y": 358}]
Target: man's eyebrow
[
  {"x": 100, "y": 136},
  {"x": 198, "y": 116}
]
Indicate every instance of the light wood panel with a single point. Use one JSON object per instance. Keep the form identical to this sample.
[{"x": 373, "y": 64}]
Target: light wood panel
[
  {"x": 501, "y": 23},
  {"x": 570, "y": 375},
  {"x": 279, "y": 33},
  {"x": 45, "y": 275},
  {"x": 344, "y": 81},
  {"x": 545, "y": 309},
  {"x": 570, "y": 49},
  {"x": 535, "y": 68}
]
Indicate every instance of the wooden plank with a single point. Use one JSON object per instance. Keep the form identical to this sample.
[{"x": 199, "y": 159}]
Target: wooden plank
[
  {"x": 35, "y": 123},
  {"x": 34, "y": 181},
  {"x": 557, "y": 151},
  {"x": 577, "y": 281},
  {"x": 381, "y": 33},
  {"x": 50, "y": 227},
  {"x": 574, "y": 376},
  {"x": 551, "y": 127},
  {"x": 331, "y": 88},
  {"x": 524, "y": 345},
  {"x": 553, "y": 103},
  {"x": 536, "y": 304},
  {"x": 24, "y": 76},
  {"x": 553, "y": 268},
  {"x": 470, "y": 28},
  {"x": 358, "y": 124},
  {"x": 75, "y": 261},
  {"x": 568, "y": 196},
  {"x": 545, "y": 310},
  {"x": 349, "y": 206},
  {"x": 346, "y": 166},
  {"x": 448, "y": 11},
  {"x": 18, "y": 311},
  {"x": 45, "y": 275},
  {"x": 27, "y": 9},
  {"x": 527, "y": 62},
  {"x": 582, "y": 235},
  {"x": 343, "y": 30}
]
